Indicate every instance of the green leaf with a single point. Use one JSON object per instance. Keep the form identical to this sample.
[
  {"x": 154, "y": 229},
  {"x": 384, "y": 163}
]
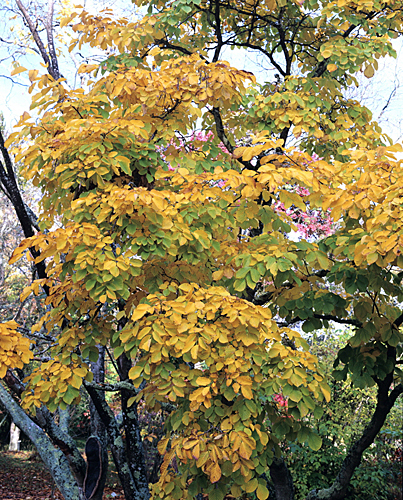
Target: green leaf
[
  {"x": 314, "y": 441},
  {"x": 318, "y": 412},
  {"x": 241, "y": 273},
  {"x": 70, "y": 395},
  {"x": 217, "y": 493},
  {"x": 239, "y": 285}
]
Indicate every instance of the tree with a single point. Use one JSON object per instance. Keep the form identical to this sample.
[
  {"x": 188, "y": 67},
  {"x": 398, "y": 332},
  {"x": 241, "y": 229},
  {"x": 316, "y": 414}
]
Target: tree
[
  {"x": 75, "y": 478},
  {"x": 172, "y": 256},
  {"x": 343, "y": 421}
]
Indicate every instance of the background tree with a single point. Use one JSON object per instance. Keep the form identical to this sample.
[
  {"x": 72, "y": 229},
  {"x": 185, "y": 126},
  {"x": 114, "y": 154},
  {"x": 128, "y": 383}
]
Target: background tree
[
  {"x": 49, "y": 432},
  {"x": 343, "y": 421},
  {"x": 171, "y": 269}
]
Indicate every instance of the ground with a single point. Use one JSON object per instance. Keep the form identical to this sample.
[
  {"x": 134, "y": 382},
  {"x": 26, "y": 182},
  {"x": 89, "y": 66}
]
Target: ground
[{"x": 24, "y": 477}]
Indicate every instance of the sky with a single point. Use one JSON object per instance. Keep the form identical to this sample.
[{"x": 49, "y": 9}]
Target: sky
[{"x": 386, "y": 87}]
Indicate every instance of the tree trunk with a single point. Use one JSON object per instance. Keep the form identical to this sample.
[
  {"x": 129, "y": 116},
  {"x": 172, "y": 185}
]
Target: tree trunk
[
  {"x": 14, "y": 438},
  {"x": 129, "y": 484},
  {"x": 282, "y": 480},
  {"x": 52, "y": 457},
  {"x": 385, "y": 402},
  {"x": 58, "y": 434},
  {"x": 98, "y": 430},
  {"x": 134, "y": 443}
]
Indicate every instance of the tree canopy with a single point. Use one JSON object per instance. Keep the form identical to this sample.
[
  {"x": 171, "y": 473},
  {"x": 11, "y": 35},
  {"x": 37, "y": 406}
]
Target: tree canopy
[{"x": 167, "y": 246}]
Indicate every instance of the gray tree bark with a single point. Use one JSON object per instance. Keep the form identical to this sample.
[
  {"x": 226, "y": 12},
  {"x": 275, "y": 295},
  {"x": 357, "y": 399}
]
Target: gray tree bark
[
  {"x": 98, "y": 429},
  {"x": 52, "y": 457}
]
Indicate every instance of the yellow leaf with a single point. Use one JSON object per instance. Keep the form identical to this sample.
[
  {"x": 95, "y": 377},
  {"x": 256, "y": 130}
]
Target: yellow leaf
[
  {"x": 32, "y": 74},
  {"x": 167, "y": 460},
  {"x": 17, "y": 254},
  {"x": 162, "y": 445},
  {"x": 262, "y": 492},
  {"x": 135, "y": 372},
  {"x": 372, "y": 257},
  {"x": 354, "y": 212},
  {"x": 331, "y": 67},
  {"x": 236, "y": 491},
  {"x": 191, "y": 443},
  {"x": 140, "y": 311},
  {"x": 19, "y": 69},
  {"x": 226, "y": 425},
  {"x": 25, "y": 293},
  {"x": 194, "y": 79},
  {"x": 145, "y": 343},
  {"x": 80, "y": 371},
  {"x": 251, "y": 485},
  {"x": 11, "y": 325},
  {"x": 109, "y": 264},
  {"x": 203, "y": 381},
  {"x": 196, "y": 452},
  {"x": 217, "y": 275},
  {"x": 244, "y": 380},
  {"x": 194, "y": 351},
  {"x": 76, "y": 381},
  {"x": 246, "y": 392},
  {"x": 245, "y": 451},
  {"x": 203, "y": 459},
  {"x": 325, "y": 391},
  {"x": 369, "y": 71},
  {"x": 120, "y": 315},
  {"x": 215, "y": 473}
]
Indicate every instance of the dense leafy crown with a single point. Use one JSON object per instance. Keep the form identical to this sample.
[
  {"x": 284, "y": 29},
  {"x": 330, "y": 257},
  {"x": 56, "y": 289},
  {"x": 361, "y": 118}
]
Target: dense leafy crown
[{"x": 169, "y": 248}]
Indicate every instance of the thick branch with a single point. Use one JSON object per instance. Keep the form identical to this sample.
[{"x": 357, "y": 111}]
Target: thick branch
[
  {"x": 118, "y": 386},
  {"x": 288, "y": 60},
  {"x": 7, "y": 161},
  {"x": 64, "y": 442},
  {"x": 14, "y": 383},
  {"x": 99, "y": 436},
  {"x": 330, "y": 317},
  {"x": 384, "y": 404},
  {"x": 37, "y": 39},
  {"x": 282, "y": 480},
  {"x": 116, "y": 444},
  {"x": 58, "y": 436},
  {"x": 217, "y": 31},
  {"x": 398, "y": 321},
  {"x": 134, "y": 444},
  {"x": 220, "y": 130},
  {"x": 167, "y": 45},
  {"x": 51, "y": 45},
  {"x": 8, "y": 180},
  {"x": 52, "y": 457}
]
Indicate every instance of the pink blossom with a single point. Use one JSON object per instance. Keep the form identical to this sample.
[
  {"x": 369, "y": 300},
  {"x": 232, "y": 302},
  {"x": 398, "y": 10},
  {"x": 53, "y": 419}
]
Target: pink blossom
[{"x": 280, "y": 400}]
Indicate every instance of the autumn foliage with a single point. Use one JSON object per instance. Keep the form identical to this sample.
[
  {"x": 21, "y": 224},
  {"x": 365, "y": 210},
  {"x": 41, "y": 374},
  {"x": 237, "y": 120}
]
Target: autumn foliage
[{"x": 175, "y": 253}]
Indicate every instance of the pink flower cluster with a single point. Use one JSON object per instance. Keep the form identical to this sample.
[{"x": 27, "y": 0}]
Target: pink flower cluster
[
  {"x": 310, "y": 224},
  {"x": 280, "y": 400},
  {"x": 203, "y": 137},
  {"x": 315, "y": 223},
  {"x": 194, "y": 138}
]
